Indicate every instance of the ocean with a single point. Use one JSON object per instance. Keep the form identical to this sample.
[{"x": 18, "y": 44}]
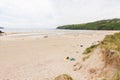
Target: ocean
[
  {"x": 38, "y": 32},
  {"x": 31, "y": 32},
  {"x": 26, "y": 29}
]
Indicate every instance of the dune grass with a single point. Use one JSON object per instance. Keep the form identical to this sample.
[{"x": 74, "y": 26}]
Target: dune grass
[
  {"x": 111, "y": 50},
  {"x": 90, "y": 49},
  {"x": 63, "y": 77},
  {"x": 85, "y": 57},
  {"x": 112, "y": 42},
  {"x": 116, "y": 76}
]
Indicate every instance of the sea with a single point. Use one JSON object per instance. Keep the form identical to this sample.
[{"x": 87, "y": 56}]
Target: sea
[
  {"x": 39, "y": 32},
  {"x": 27, "y": 29}
]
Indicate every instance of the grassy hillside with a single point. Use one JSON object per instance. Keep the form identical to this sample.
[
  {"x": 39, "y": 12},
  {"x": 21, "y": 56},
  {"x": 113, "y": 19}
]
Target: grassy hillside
[{"x": 110, "y": 24}]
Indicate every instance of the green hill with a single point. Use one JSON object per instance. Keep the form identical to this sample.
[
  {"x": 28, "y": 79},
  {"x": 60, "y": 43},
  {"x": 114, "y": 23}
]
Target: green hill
[{"x": 109, "y": 24}]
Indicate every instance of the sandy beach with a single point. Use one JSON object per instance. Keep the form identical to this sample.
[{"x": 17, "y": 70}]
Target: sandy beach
[{"x": 44, "y": 57}]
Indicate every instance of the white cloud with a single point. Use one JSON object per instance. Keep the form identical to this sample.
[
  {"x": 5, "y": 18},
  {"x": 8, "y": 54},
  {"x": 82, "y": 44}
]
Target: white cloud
[
  {"x": 20, "y": 13},
  {"x": 50, "y": 13},
  {"x": 79, "y": 11}
]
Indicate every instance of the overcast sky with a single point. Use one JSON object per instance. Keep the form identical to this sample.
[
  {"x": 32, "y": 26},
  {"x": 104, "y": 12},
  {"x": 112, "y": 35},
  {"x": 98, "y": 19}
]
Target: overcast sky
[{"x": 52, "y": 13}]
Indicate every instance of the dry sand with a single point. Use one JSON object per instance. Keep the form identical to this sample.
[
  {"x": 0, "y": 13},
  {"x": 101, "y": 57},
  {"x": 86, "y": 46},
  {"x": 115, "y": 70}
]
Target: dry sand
[{"x": 33, "y": 58}]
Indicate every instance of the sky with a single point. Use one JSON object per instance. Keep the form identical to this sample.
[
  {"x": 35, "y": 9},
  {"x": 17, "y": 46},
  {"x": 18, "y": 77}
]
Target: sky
[{"x": 53, "y": 13}]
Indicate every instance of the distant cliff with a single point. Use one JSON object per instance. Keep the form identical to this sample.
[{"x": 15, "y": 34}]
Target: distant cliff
[{"x": 109, "y": 24}]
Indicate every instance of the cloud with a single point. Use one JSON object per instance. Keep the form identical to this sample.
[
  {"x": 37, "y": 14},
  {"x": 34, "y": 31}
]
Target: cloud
[
  {"x": 25, "y": 13},
  {"x": 80, "y": 11},
  {"x": 52, "y": 13}
]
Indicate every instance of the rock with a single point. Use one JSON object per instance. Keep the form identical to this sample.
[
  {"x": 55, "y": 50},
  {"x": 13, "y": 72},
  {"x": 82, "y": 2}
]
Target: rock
[
  {"x": 1, "y": 33},
  {"x": 81, "y": 45},
  {"x": 67, "y": 58},
  {"x": 45, "y": 36}
]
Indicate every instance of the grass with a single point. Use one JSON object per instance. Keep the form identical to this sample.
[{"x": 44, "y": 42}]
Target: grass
[
  {"x": 112, "y": 42},
  {"x": 90, "y": 49},
  {"x": 116, "y": 76},
  {"x": 63, "y": 77},
  {"x": 86, "y": 57}
]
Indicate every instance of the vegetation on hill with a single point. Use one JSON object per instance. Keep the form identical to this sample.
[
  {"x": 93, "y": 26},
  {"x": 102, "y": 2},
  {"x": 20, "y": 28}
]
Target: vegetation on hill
[{"x": 109, "y": 24}]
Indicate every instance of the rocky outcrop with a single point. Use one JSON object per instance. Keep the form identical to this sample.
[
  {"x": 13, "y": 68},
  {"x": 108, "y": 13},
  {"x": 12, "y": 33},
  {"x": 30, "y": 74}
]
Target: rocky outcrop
[{"x": 2, "y": 33}]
